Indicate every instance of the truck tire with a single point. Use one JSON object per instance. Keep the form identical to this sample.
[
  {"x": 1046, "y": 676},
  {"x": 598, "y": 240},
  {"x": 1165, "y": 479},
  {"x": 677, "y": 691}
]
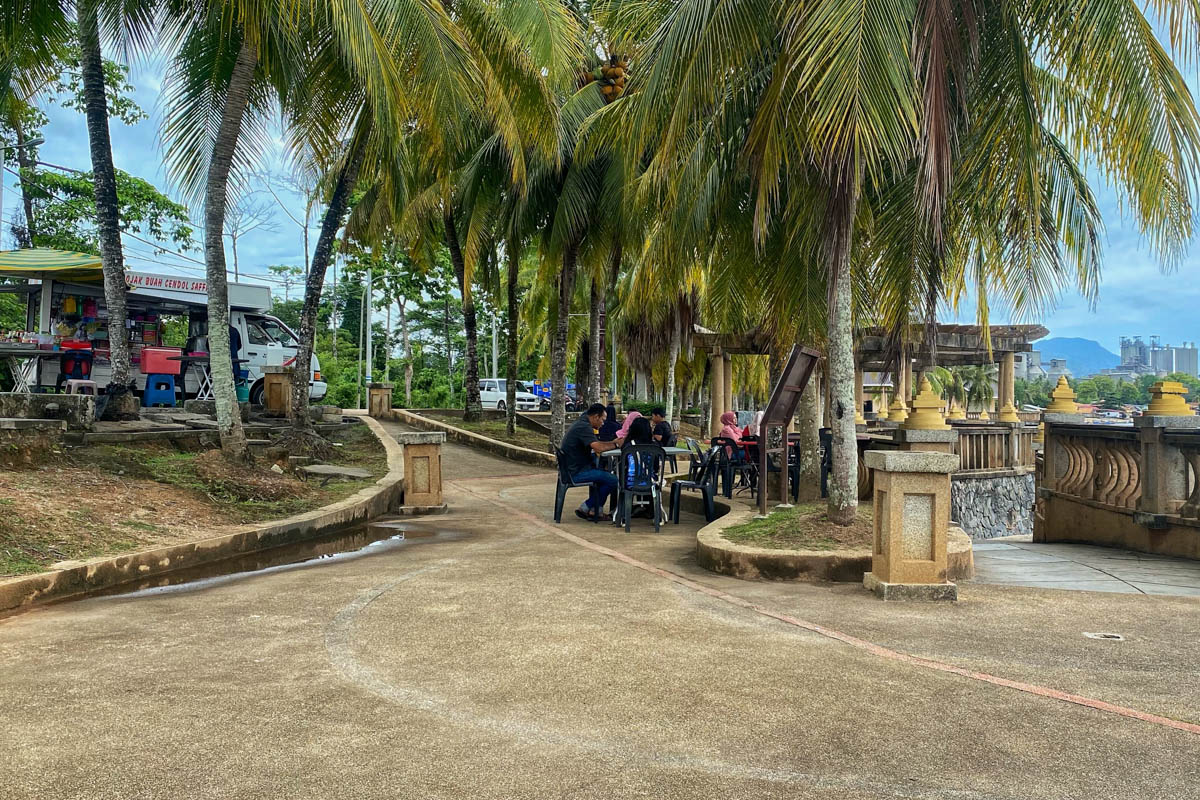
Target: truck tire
[{"x": 256, "y": 393}]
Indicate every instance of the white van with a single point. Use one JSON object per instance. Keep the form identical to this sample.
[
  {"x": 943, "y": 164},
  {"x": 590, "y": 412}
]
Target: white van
[{"x": 493, "y": 392}]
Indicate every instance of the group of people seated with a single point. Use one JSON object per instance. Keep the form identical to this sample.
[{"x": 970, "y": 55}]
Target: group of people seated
[{"x": 595, "y": 432}]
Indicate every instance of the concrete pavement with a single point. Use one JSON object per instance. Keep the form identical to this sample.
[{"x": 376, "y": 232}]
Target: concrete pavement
[{"x": 512, "y": 662}]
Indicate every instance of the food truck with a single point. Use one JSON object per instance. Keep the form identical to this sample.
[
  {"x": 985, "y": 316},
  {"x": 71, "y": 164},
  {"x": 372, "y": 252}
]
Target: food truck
[{"x": 66, "y": 310}]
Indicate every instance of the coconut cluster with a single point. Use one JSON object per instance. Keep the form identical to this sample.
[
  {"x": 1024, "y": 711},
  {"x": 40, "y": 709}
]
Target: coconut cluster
[{"x": 611, "y": 76}]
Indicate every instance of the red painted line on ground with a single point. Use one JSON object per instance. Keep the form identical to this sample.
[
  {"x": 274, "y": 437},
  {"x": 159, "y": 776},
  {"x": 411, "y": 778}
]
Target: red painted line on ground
[{"x": 845, "y": 638}]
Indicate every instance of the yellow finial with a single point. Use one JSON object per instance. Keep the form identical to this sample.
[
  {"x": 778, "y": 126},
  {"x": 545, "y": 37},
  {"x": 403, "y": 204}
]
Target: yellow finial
[
  {"x": 1063, "y": 399},
  {"x": 927, "y": 410}
]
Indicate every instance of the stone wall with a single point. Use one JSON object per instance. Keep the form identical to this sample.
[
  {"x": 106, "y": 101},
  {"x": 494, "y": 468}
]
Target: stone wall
[
  {"x": 995, "y": 504},
  {"x": 77, "y": 410}
]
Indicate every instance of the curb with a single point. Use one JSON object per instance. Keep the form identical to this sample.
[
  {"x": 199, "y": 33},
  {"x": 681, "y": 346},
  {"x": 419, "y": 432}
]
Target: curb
[
  {"x": 28, "y": 591},
  {"x": 512, "y": 452},
  {"x": 717, "y": 554}
]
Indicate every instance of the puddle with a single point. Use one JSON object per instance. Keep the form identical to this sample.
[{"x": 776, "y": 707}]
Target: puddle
[{"x": 346, "y": 545}]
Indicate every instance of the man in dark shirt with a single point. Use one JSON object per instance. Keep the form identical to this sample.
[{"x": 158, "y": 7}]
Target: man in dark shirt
[
  {"x": 578, "y": 446},
  {"x": 662, "y": 429}
]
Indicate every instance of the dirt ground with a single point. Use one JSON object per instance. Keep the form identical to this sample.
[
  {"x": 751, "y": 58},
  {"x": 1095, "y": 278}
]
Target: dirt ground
[{"x": 79, "y": 503}]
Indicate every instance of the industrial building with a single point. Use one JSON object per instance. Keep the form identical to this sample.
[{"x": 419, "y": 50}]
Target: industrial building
[{"x": 1154, "y": 358}]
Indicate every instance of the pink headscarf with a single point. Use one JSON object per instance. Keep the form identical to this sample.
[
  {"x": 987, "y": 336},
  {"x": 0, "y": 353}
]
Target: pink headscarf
[
  {"x": 729, "y": 418},
  {"x": 730, "y": 429},
  {"x": 625, "y": 423}
]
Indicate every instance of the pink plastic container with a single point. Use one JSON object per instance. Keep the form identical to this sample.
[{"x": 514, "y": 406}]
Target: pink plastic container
[{"x": 155, "y": 361}]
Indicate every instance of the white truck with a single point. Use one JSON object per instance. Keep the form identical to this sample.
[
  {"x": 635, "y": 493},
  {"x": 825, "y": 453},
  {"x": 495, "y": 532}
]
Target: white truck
[{"x": 265, "y": 339}]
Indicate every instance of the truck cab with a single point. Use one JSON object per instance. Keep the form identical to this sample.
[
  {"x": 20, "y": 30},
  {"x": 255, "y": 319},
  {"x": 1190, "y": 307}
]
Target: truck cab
[{"x": 267, "y": 341}]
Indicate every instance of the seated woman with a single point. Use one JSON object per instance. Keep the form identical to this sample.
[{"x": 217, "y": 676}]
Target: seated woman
[
  {"x": 731, "y": 431},
  {"x": 608, "y": 430},
  {"x": 630, "y": 418}
]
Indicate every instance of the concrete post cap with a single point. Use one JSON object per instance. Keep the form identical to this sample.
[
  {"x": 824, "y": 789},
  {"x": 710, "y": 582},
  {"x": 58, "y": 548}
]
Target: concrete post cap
[
  {"x": 426, "y": 437},
  {"x": 907, "y": 461},
  {"x": 277, "y": 370}
]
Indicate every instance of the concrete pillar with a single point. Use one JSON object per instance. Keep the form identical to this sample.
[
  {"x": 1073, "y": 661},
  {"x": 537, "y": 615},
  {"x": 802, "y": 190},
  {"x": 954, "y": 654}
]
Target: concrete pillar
[
  {"x": 716, "y": 392},
  {"x": 422, "y": 468},
  {"x": 277, "y": 391},
  {"x": 727, "y": 373},
  {"x": 1008, "y": 388},
  {"x": 881, "y": 405},
  {"x": 379, "y": 399},
  {"x": 912, "y": 514}
]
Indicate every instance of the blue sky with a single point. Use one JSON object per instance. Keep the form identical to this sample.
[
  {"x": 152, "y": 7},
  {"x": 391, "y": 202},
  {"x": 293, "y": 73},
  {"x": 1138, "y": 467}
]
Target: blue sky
[{"x": 1136, "y": 297}]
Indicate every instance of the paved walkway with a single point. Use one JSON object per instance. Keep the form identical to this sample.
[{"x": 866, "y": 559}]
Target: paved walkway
[
  {"x": 1017, "y": 561},
  {"x": 522, "y": 659}
]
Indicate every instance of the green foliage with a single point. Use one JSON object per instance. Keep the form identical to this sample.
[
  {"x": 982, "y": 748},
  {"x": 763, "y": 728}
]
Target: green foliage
[{"x": 65, "y": 210}]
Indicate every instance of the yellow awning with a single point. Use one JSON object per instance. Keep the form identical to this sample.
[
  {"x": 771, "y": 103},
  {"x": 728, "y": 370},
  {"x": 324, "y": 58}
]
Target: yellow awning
[{"x": 43, "y": 262}]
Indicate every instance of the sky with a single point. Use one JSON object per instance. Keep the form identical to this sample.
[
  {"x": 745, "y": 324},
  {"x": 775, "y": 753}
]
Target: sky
[{"x": 1136, "y": 296}]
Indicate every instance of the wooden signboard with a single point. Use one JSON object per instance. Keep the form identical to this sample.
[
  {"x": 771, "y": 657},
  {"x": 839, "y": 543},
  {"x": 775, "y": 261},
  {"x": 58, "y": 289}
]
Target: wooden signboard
[{"x": 780, "y": 411}]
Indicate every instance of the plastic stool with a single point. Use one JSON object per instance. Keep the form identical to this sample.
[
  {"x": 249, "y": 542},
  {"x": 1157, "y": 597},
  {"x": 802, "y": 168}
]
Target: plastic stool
[
  {"x": 81, "y": 387},
  {"x": 160, "y": 390}
]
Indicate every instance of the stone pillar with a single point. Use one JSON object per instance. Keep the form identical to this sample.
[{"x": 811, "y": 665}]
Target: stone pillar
[
  {"x": 277, "y": 391},
  {"x": 716, "y": 391},
  {"x": 881, "y": 412},
  {"x": 859, "y": 419},
  {"x": 1164, "y": 468},
  {"x": 422, "y": 467},
  {"x": 379, "y": 399},
  {"x": 898, "y": 411},
  {"x": 727, "y": 374},
  {"x": 1008, "y": 389},
  {"x": 912, "y": 514}
]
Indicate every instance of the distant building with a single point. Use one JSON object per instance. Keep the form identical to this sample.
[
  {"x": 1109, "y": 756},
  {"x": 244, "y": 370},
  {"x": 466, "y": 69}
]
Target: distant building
[
  {"x": 1185, "y": 359},
  {"x": 1155, "y": 358},
  {"x": 1056, "y": 369},
  {"x": 1028, "y": 366}
]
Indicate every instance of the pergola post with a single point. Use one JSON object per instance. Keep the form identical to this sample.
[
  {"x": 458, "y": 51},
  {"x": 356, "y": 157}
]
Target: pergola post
[
  {"x": 716, "y": 391},
  {"x": 727, "y": 374},
  {"x": 859, "y": 419},
  {"x": 1008, "y": 388},
  {"x": 881, "y": 412}
]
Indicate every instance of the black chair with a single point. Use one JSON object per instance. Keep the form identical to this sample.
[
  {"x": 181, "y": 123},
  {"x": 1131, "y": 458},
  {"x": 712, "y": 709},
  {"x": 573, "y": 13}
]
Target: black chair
[
  {"x": 671, "y": 458},
  {"x": 705, "y": 482},
  {"x": 825, "y": 436},
  {"x": 730, "y": 466},
  {"x": 565, "y": 481},
  {"x": 793, "y": 468},
  {"x": 641, "y": 475},
  {"x": 696, "y": 455}
]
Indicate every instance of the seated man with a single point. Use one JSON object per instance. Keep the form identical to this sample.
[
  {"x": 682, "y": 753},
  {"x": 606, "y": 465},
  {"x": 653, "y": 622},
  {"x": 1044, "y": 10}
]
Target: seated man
[
  {"x": 663, "y": 435},
  {"x": 578, "y": 446}
]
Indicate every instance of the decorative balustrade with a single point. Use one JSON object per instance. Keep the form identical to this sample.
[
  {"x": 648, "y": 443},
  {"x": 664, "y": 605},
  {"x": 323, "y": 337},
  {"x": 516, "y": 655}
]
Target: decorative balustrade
[
  {"x": 1103, "y": 467},
  {"x": 987, "y": 447}
]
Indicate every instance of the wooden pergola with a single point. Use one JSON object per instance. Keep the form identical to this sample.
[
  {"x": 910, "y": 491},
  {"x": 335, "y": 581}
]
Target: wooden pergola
[{"x": 720, "y": 348}]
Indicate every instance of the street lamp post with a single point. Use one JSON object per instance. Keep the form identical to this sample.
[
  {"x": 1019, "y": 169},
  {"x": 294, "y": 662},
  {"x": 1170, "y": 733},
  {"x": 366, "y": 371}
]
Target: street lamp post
[{"x": 3, "y": 149}]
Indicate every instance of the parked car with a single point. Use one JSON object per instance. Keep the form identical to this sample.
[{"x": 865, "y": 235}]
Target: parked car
[{"x": 493, "y": 393}]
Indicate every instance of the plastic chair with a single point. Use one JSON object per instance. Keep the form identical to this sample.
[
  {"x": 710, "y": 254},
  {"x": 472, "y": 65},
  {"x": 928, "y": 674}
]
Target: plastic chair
[
  {"x": 641, "y": 475},
  {"x": 565, "y": 481},
  {"x": 74, "y": 365},
  {"x": 728, "y": 465},
  {"x": 160, "y": 390},
  {"x": 75, "y": 386},
  {"x": 705, "y": 483},
  {"x": 696, "y": 457},
  {"x": 773, "y": 469}
]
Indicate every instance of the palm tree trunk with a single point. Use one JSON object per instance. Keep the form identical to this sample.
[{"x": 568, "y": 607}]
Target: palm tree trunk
[
  {"x": 449, "y": 344},
  {"x": 26, "y": 165},
  {"x": 473, "y": 411},
  {"x": 810, "y": 440},
  {"x": 596, "y": 341},
  {"x": 108, "y": 225},
  {"x": 672, "y": 360},
  {"x": 558, "y": 345},
  {"x": 314, "y": 283},
  {"x": 237, "y": 95},
  {"x": 408, "y": 367},
  {"x": 510, "y": 372},
  {"x": 843, "y": 480}
]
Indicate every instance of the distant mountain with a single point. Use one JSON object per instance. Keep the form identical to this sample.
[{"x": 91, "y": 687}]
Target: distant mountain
[{"x": 1084, "y": 356}]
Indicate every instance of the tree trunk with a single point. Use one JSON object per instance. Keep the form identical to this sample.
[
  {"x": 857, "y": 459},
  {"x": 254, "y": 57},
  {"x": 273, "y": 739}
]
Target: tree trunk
[
  {"x": 449, "y": 345},
  {"x": 473, "y": 410},
  {"x": 108, "y": 224},
  {"x": 387, "y": 345},
  {"x": 583, "y": 371},
  {"x": 510, "y": 372},
  {"x": 810, "y": 440},
  {"x": 843, "y": 480},
  {"x": 229, "y": 418},
  {"x": 672, "y": 360},
  {"x": 314, "y": 283},
  {"x": 26, "y": 166},
  {"x": 408, "y": 367},
  {"x": 558, "y": 346},
  {"x": 596, "y": 342}
]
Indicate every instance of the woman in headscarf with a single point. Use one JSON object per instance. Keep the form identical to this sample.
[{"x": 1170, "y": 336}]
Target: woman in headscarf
[
  {"x": 608, "y": 430},
  {"x": 625, "y": 423},
  {"x": 729, "y": 426},
  {"x": 754, "y": 427}
]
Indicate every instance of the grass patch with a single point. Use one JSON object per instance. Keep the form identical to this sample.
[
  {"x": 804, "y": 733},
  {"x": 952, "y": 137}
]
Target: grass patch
[
  {"x": 497, "y": 429},
  {"x": 805, "y": 527}
]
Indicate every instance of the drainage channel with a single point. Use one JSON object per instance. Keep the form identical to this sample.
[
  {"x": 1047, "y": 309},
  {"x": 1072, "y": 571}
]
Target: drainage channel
[{"x": 362, "y": 541}]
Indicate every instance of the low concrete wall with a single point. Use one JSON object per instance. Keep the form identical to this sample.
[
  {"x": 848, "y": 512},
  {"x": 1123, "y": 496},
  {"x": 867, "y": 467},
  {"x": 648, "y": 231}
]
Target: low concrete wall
[
  {"x": 503, "y": 449},
  {"x": 1069, "y": 519},
  {"x": 77, "y": 410},
  {"x": 523, "y": 419},
  {"x": 993, "y": 503},
  {"x": 716, "y": 553},
  {"x": 25, "y": 592}
]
